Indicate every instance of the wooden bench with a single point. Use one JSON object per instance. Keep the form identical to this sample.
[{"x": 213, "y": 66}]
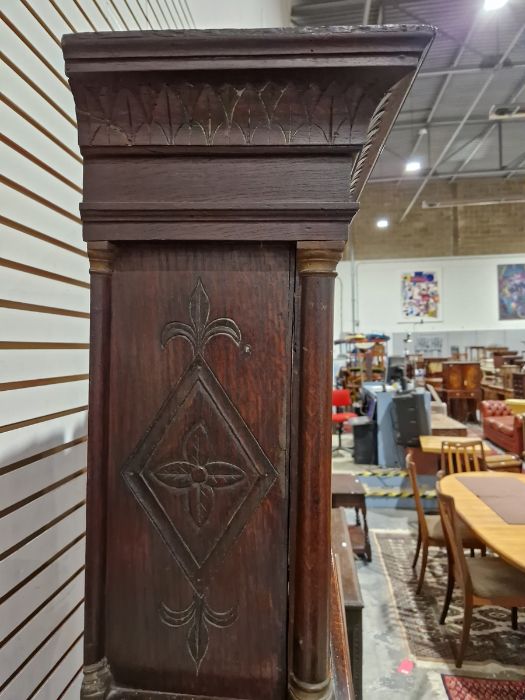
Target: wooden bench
[{"x": 353, "y": 602}]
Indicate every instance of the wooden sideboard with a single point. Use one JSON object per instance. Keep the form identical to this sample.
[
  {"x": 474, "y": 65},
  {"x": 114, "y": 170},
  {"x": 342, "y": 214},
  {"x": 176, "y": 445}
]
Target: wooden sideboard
[{"x": 221, "y": 171}]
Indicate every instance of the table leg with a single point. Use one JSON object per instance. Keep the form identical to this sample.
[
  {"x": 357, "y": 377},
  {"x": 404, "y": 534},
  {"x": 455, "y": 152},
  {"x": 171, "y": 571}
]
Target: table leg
[{"x": 368, "y": 549}]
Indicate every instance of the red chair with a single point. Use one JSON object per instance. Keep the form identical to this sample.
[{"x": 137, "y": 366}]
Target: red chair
[{"x": 341, "y": 399}]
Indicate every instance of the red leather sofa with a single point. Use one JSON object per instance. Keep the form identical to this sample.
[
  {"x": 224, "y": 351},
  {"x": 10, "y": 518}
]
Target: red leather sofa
[{"x": 501, "y": 426}]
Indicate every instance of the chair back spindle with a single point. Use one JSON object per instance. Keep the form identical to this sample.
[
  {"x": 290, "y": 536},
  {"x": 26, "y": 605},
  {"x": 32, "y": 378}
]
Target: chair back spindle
[{"x": 461, "y": 457}]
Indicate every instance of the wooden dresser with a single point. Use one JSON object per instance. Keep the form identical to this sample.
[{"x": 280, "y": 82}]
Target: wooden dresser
[
  {"x": 221, "y": 171},
  {"x": 462, "y": 389}
]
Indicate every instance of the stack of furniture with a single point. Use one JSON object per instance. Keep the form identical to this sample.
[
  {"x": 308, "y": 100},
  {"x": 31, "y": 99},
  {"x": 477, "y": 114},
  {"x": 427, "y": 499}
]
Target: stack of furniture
[
  {"x": 462, "y": 389},
  {"x": 216, "y": 208},
  {"x": 365, "y": 363}
]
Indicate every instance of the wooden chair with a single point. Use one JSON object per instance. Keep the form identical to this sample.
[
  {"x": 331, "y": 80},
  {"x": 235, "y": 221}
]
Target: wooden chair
[
  {"x": 430, "y": 530},
  {"x": 483, "y": 581},
  {"x": 459, "y": 457}
]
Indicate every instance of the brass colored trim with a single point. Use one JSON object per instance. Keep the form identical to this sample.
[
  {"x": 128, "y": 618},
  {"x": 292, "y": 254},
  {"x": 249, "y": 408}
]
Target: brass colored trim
[
  {"x": 319, "y": 258},
  {"x": 37, "y": 308},
  {"x": 40, "y": 163},
  {"x": 101, "y": 255},
  {"x": 37, "y": 198},
  {"x": 37, "y": 345},
  {"x": 41, "y": 644},
  {"x": 6, "y": 469},
  {"x": 22, "y": 228},
  {"x": 37, "y": 89},
  {"x": 39, "y": 272},
  {"x": 40, "y": 419},
  {"x": 41, "y": 530},
  {"x": 22, "y": 113},
  {"x": 41, "y": 492},
  {"x": 44, "y": 381},
  {"x": 97, "y": 680}
]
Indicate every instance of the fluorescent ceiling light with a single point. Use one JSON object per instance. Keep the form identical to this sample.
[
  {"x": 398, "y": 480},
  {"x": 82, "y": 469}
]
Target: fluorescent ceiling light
[
  {"x": 494, "y": 4},
  {"x": 412, "y": 166},
  {"x": 382, "y": 223}
]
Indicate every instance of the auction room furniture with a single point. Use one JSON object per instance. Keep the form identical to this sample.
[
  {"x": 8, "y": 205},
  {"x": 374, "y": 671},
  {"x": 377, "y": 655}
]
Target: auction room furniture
[
  {"x": 502, "y": 426},
  {"x": 518, "y": 385},
  {"x": 517, "y": 406},
  {"x": 446, "y": 426},
  {"x": 483, "y": 581},
  {"x": 348, "y": 492},
  {"x": 340, "y": 401},
  {"x": 459, "y": 457},
  {"x": 431, "y": 444},
  {"x": 221, "y": 171},
  {"x": 430, "y": 530},
  {"x": 504, "y": 462},
  {"x": 503, "y": 538},
  {"x": 462, "y": 389},
  {"x": 353, "y": 601}
]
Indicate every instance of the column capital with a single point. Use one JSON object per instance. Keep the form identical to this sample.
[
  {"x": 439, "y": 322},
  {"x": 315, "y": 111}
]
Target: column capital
[
  {"x": 101, "y": 255},
  {"x": 319, "y": 257}
]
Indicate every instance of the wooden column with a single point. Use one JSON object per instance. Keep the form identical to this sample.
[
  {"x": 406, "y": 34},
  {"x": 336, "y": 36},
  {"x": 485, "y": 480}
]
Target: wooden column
[
  {"x": 96, "y": 673},
  {"x": 310, "y": 678}
]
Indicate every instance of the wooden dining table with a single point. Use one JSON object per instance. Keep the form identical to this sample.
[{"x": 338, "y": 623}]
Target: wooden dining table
[
  {"x": 431, "y": 444},
  {"x": 507, "y": 540}
]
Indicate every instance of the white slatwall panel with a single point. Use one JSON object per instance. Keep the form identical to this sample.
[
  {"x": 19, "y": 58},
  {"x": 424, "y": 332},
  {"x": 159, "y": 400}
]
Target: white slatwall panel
[{"x": 44, "y": 332}]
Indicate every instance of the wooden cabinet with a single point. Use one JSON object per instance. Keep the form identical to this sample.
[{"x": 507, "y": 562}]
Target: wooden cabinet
[
  {"x": 462, "y": 389},
  {"x": 216, "y": 205}
]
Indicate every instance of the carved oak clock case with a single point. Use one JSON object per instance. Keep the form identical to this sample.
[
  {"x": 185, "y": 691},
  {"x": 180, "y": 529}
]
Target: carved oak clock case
[{"x": 221, "y": 170}]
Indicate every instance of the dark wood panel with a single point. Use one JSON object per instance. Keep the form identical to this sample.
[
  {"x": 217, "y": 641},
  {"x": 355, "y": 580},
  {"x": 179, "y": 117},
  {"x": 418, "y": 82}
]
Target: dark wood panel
[{"x": 198, "y": 468}]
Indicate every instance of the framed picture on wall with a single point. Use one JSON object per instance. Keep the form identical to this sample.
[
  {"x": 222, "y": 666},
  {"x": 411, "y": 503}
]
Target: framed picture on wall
[
  {"x": 421, "y": 296},
  {"x": 511, "y": 292}
]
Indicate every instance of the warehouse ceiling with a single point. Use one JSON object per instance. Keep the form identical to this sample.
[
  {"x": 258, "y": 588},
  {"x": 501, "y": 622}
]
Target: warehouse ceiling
[{"x": 476, "y": 62}]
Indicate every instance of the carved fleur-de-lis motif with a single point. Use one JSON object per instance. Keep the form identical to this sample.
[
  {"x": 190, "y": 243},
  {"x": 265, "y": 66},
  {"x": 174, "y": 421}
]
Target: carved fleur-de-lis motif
[
  {"x": 200, "y": 330},
  {"x": 197, "y": 474},
  {"x": 200, "y": 615}
]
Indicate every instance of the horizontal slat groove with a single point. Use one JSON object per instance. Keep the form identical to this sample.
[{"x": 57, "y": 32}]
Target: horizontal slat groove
[
  {"x": 41, "y": 236},
  {"x": 34, "y": 51},
  {"x": 41, "y": 644},
  {"x": 36, "y": 533},
  {"x": 38, "y": 198},
  {"x": 21, "y": 345},
  {"x": 40, "y": 419},
  {"x": 41, "y": 568},
  {"x": 118, "y": 13},
  {"x": 22, "y": 113},
  {"x": 41, "y": 606},
  {"x": 15, "y": 147},
  {"x": 55, "y": 666},
  {"x": 68, "y": 686},
  {"x": 41, "y": 455},
  {"x": 40, "y": 22},
  {"x": 30, "y": 270},
  {"x": 63, "y": 16},
  {"x": 43, "y": 381},
  {"x": 42, "y": 492},
  {"x": 38, "y": 308},
  {"x": 37, "y": 89},
  {"x": 86, "y": 16}
]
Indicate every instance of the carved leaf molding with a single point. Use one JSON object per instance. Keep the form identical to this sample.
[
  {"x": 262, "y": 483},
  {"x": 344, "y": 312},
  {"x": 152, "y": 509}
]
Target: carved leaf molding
[{"x": 200, "y": 114}]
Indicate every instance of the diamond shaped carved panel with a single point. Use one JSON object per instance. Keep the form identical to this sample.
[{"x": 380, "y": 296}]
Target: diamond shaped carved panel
[{"x": 198, "y": 472}]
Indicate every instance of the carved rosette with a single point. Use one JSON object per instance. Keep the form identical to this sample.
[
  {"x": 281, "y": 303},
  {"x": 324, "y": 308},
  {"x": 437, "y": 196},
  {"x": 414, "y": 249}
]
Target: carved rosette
[{"x": 198, "y": 500}]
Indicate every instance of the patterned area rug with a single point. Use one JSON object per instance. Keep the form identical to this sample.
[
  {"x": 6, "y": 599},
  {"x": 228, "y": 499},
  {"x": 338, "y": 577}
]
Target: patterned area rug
[
  {"x": 462, "y": 688},
  {"x": 491, "y": 637}
]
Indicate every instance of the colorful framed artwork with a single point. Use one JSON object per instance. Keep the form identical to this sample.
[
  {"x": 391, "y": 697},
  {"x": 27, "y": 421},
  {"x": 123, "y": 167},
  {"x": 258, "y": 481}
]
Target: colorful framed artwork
[
  {"x": 511, "y": 292},
  {"x": 421, "y": 296}
]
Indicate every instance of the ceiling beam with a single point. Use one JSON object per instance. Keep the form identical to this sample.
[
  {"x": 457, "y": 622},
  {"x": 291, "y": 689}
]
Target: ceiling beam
[
  {"x": 444, "y": 85},
  {"x": 464, "y": 120},
  {"x": 446, "y": 176},
  {"x": 489, "y": 131}
]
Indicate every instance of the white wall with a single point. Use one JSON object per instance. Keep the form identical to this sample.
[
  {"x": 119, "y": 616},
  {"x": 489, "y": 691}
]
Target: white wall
[
  {"x": 468, "y": 286},
  {"x": 240, "y": 13}
]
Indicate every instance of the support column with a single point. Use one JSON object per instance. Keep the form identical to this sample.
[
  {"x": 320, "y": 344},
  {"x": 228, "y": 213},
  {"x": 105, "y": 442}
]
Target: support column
[
  {"x": 96, "y": 672},
  {"x": 310, "y": 678}
]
